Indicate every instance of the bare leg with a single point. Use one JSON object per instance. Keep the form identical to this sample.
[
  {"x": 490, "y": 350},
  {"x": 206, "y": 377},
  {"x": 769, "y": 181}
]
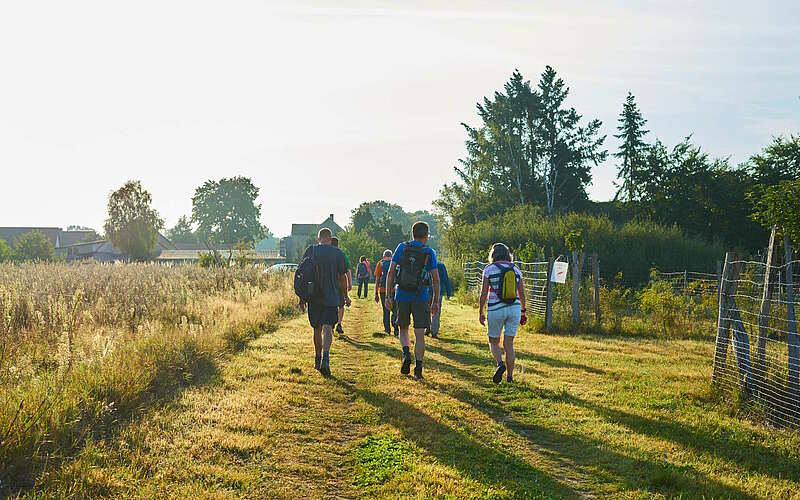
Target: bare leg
[
  {"x": 511, "y": 355},
  {"x": 327, "y": 334},
  {"x": 318, "y": 341},
  {"x": 419, "y": 344},
  {"x": 404, "y": 339},
  {"x": 497, "y": 352}
]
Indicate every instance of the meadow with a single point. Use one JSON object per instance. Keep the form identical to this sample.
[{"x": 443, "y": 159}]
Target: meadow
[
  {"x": 86, "y": 348},
  {"x": 212, "y": 394}
]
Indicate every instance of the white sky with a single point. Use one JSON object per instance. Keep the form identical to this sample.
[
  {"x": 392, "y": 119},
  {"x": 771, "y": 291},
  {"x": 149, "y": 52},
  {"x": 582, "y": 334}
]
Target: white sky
[{"x": 355, "y": 101}]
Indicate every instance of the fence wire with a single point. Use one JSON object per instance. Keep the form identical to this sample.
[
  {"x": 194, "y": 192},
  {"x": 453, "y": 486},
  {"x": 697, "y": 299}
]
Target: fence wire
[
  {"x": 534, "y": 278},
  {"x": 757, "y": 354},
  {"x": 696, "y": 284}
]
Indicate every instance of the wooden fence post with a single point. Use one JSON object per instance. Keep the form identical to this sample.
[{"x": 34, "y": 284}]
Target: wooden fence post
[
  {"x": 596, "y": 282},
  {"x": 467, "y": 277},
  {"x": 791, "y": 337},
  {"x": 759, "y": 371},
  {"x": 686, "y": 281},
  {"x": 548, "y": 312},
  {"x": 719, "y": 280},
  {"x": 576, "y": 282}
]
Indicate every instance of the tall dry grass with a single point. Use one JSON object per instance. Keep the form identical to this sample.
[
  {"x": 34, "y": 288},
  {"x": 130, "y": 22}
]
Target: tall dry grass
[{"x": 83, "y": 348}]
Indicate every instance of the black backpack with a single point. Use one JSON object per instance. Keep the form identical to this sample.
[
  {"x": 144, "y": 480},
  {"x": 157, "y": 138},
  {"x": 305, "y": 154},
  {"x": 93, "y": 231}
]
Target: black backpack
[
  {"x": 362, "y": 271},
  {"x": 306, "y": 277},
  {"x": 412, "y": 268}
]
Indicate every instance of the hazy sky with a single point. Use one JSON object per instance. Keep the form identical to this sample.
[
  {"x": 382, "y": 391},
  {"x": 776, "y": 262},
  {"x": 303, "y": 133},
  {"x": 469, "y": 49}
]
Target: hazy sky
[{"x": 327, "y": 104}]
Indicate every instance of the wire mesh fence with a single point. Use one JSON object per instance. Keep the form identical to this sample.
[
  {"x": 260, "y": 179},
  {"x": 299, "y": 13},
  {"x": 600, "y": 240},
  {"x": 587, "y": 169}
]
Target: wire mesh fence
[
  {"x": 693, "y": 283},
  {"x": 563, "y": 301},
  {"x": 534, "y": 278},
  {"x": 757, "y": 353}
]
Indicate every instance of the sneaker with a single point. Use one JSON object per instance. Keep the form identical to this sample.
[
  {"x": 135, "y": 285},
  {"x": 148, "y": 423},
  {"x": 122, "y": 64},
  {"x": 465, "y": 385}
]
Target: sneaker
[
  {"x": 427, "y": 331},
  {"x": 317, "y": 363},
  {"x": 387, "y": 332},
  {"x": 509, "y": 380},
  {"x": 339, "y": 328},
  {"x": 418, "y": 374},
  {"x": 406, "y": 368},
  {"x": 434, "y": 335},
  {"x": 498, "y": 374},
  {"x": 325, "y": 369}
]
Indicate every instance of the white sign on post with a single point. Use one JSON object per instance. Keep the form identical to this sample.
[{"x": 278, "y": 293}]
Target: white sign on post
[{"x": 560, "y": 270}]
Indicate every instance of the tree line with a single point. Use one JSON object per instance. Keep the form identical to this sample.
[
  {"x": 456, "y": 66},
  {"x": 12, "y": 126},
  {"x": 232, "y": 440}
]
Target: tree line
[{"x": 530, "y": 148}]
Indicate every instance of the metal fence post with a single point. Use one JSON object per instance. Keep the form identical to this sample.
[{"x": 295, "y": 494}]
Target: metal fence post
[
  {"x": 596, "y": 281},
  {"x": 576, "y": 281},
  {"x": 548, "y": 312}
]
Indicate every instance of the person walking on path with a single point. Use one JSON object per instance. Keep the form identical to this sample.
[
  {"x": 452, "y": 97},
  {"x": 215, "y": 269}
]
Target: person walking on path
[
  {"x": 417, "y": 263},
  {"x": 330, "y": 289},
  {"x": 335, "y": 243},
  {"x": 381, "y": 273},
  {"x": 362, "y": 275},
  {"x": 446, "y": 288},
  {"x": 503, "y": 289}
]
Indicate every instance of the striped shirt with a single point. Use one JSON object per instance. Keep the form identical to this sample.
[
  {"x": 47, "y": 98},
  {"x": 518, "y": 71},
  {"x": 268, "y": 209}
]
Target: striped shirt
[{"x": 492, "y": 272}]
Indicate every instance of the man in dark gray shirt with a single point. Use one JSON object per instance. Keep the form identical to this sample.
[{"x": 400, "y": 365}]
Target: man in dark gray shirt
[{"x": 330, "y": 291}]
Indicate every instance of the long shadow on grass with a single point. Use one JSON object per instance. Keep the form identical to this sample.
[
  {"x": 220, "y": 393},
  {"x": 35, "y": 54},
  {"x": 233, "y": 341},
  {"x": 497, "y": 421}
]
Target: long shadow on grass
[
  {"x": 646, "y": 473},
  {"x": 722, "y": 443},
  {"x": 472, "y": 359},
  {"x": 486, "y": 465}
]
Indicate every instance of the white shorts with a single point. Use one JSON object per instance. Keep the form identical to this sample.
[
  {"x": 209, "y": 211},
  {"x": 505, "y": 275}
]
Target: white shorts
[{"x": 504, "y": 320}]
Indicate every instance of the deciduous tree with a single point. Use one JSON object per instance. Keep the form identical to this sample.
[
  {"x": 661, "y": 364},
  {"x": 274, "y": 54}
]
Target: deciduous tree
[
  {"x": 132, "y": 224},
  {"x": 226, "y": 212}
]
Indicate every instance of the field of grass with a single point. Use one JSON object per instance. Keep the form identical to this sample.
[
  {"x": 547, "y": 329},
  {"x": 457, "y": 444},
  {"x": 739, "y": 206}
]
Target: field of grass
[{"x": 589, "y": 416}]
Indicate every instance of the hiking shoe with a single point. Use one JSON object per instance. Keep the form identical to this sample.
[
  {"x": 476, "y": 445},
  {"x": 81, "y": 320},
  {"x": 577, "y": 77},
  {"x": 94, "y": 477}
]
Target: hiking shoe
[
  {"x": 418, "y": 374},
  {"x": 427, "y": 331},
  {"x": 434, "y": 335},
  {"x": 339, "y": 328},
  {"x": 406, "y": 368},
  {"x": 387, "y": 332},
  {"x": 317, "y": 363},
  {"x": 325, "y": 369},
  {"x": 509, "y": 380},
  {"x": 498, "y": 374}
]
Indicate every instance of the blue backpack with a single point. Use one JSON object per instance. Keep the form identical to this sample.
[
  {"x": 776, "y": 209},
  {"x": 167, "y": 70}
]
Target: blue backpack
[{"x": 385, "y": 271}]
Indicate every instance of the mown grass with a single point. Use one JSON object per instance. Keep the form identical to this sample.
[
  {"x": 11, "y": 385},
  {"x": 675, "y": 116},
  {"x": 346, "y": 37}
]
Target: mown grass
[
  {"x": 589, "y": 416},
  {"x": 107, "y": 376}
]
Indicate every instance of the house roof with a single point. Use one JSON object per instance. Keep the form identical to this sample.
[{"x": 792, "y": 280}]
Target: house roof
[
  {"x": 68, "y": 238},
  {"x": 10, "y": 234},
  {"x": 311, "y": 229}
]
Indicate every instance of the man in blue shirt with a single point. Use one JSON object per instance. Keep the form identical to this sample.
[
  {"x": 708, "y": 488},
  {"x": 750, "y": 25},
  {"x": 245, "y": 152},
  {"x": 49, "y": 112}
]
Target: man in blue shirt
[
  {"x": 446, "y": 288},
  {"x": 419, "y": 270}
]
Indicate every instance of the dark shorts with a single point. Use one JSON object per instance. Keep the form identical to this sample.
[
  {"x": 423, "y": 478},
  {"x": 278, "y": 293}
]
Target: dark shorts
[
  {"x": 419, "y": 310},
  {"x": 319, "y": 315}
]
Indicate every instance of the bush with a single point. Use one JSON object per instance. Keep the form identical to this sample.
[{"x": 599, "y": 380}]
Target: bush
[{"x": 632, "y": 248}]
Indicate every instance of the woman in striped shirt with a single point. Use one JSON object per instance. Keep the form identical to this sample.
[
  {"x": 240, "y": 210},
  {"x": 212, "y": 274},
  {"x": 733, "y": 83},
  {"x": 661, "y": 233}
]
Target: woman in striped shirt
[{"x": 503, "y": 317}]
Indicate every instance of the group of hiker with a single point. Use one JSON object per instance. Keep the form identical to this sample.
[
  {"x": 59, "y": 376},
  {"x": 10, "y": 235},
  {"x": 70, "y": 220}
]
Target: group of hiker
[{"x": 409, "y": 285}]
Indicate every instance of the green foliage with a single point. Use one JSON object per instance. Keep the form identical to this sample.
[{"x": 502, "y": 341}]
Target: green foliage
[
  {"x": 92, "y": 236},
  {"x": 529, "y": 149},
  {"x": 182, "y": 232},
  {"x": 389, "y": 224},
  {"x": 615, "y": 302},
  {"x": 357, "y": 244},
  {"x": 704, "y": 197},
  {"x": 779, "y": 161},
  {"x": 574, "y": 240},
  {"x": 33, "y": 246},
  {"x": 665, "y": 307},
  {"x": 379, "y": 458},
  {"x": 779, "y": 206},
  {"x": 529, "y": 252},
  {"x": 632, "y": 248},
  {"x": 631, "y": 152},
  {"x": 210, "y": 259},
  {"x": 132, "y": 224},
  {"x": 6, "y": 253},
  {"x": 226, "y": 212}
]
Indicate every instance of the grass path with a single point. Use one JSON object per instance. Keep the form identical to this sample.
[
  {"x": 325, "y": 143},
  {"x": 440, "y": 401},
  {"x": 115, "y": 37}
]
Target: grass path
[{"x": 588, "y": 417}]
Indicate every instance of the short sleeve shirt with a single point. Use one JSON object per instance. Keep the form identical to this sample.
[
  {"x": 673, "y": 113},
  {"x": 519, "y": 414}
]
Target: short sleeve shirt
[
  {"x": 492, "y": 272},
  {"x": 424, "y": 293},
  {"x": 330, "y": 262}
]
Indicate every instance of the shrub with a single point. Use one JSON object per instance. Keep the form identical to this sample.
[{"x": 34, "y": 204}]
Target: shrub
[{"x": 632, "y": 248}]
